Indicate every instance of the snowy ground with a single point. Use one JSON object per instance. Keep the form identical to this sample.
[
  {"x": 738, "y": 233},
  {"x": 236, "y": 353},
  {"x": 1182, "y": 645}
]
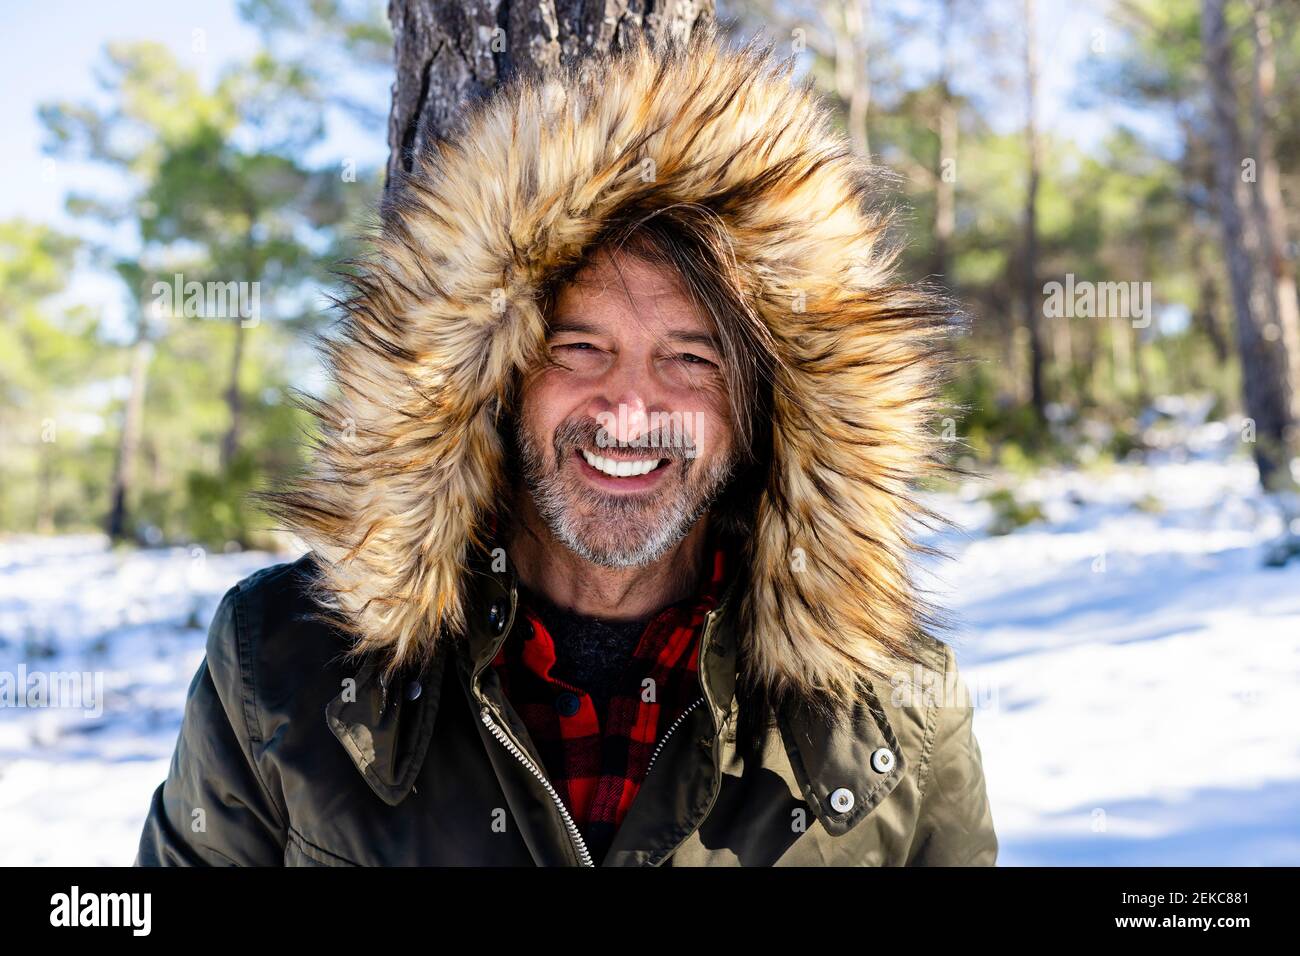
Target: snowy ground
[
  {"x": 75, "y": 781},
  {"x": 1135, "y": 671},
  {"x": 1134, "y": 668}
]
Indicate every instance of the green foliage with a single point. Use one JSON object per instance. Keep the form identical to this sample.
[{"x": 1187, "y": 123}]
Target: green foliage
[
  {"x": 216, "y": 188},
  {"x": 52, "y": 451},
  {"x": 217, "y": 509},
  {"x": 1009, "y": 513},
  {"x": 1149, "y": 504},
  {"x": 995, "y": 428}
]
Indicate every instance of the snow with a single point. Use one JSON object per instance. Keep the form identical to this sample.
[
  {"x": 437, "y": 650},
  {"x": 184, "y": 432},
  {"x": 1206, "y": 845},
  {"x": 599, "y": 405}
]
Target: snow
[
  {"x": 75, "y": 781},
  {"x": 1134, "y": 669}
]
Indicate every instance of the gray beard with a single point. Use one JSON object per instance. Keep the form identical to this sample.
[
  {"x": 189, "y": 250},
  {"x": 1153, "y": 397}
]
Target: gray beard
[{"x": 615, "y": 531}]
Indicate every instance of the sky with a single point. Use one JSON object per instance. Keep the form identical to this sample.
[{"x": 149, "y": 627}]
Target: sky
[
  {"x": 50, "y": 53},
  {"x": 51, "y": 50}
]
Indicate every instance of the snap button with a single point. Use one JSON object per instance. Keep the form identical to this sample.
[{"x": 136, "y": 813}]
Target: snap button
[
  {"x": 842, "y": 800},
  {"x": 497, "y": 617},
  {"x": 882, "y": 761},
  {"x": 413, "y": 690},
  {"x": 567, "y": 704}
]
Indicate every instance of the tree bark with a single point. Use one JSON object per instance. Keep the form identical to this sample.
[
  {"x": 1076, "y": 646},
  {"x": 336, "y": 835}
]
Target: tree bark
[
  {"x": 129, "y": 439},
  {"x": 1032, "y": 292},
  {"x": 252, "y": 268},
  {"x": 234, "y": 400},
  {"x": 1266, "y": 203},
  {"x": 945, "y": 186},
  {"x": 1207, "y": 304},
  {"x": 452, "y": 52},
  {"x": 1263, "y": 363}
]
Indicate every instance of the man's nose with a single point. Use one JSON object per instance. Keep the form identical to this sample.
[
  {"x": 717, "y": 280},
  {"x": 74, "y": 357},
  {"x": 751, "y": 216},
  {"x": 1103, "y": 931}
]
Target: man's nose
[{"x": 623, "y": 414}]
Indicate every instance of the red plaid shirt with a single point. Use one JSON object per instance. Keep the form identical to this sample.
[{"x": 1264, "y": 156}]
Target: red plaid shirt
[{"x": 596, "y": 770}]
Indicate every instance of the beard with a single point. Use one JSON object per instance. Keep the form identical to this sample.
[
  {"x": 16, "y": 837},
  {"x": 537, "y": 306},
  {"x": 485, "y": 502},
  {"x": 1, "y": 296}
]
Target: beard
[{"x": 618, "y": 530}]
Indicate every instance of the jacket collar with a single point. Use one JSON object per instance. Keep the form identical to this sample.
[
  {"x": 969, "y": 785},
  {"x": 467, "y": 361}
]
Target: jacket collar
[
  {"x": 385, "y": 727},
  {"x": 832, "y": 756},
  {"x": 494, "y": 603},
  {"x": 826, "y": 755}
]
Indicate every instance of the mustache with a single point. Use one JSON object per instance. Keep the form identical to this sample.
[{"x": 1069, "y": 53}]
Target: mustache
[{"x": 587, "y": 434}]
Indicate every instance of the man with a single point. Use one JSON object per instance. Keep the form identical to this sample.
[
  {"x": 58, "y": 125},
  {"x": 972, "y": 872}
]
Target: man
[{"x": 609, "y": 521}]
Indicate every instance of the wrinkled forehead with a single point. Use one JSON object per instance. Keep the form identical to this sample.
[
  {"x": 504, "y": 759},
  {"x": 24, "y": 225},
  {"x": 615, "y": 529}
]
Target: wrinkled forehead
[{"x": 620, "y": 292}]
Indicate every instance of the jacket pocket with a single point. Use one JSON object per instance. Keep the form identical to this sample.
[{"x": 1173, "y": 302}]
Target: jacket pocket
[{"x": 300, "y": 851}]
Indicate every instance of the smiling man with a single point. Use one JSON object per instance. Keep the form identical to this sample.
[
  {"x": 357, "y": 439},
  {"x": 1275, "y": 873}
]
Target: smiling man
[
  {"x": 611, "y": 437},
  {"x": 610, "y": 518}
]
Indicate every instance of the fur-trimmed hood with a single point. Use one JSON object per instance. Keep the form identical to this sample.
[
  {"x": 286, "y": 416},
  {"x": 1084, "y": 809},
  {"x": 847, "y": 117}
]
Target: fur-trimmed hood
[{"x": 411, "y": 460}]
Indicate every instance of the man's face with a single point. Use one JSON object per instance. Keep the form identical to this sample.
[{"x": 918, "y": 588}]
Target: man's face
[{"x": 627, "y": 440}]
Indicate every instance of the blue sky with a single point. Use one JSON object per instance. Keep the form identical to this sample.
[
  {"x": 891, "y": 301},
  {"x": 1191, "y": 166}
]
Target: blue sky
[{"x": 52, "y": 49}]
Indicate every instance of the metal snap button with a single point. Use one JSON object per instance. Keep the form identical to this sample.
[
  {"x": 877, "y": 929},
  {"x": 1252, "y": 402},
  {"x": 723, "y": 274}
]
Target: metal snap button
[
  {"x": 567, "y": 704},
  {"x": 413, "y": 690},
  {"x": 842, "y": 800},
  {"x": 882, "y": 761}
]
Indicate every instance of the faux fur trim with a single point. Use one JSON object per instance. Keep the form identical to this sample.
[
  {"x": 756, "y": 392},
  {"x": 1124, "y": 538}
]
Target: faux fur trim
[{"x": 410, "y": 462}]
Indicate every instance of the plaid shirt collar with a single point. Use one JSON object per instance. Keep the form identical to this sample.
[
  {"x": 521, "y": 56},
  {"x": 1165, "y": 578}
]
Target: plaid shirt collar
[{"x": 598, "y": 770}]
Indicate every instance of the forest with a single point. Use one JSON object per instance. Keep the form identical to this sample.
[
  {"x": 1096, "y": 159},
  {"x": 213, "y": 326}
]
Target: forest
[{"x": 1121, "y": 247}]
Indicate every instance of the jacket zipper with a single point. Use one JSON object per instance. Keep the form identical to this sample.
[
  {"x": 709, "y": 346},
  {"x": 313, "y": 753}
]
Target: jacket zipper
[
  {"x": 668, "y": 733},
  {"x": 575, "y": 837},
  {"x": 704, "y": 640}
]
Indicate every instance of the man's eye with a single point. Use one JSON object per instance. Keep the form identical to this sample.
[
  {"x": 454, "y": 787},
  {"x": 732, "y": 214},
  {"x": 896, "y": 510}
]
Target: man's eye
[
  {"x": 690, "y": 359},
  {"x": 576, "y": 346}
]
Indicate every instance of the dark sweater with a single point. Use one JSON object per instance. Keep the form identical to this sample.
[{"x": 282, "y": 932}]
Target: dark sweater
[{"x": 591, "y": 653}]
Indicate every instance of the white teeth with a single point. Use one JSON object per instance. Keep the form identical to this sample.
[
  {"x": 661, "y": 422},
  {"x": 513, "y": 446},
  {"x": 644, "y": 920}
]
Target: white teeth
[{"x": 623, "y": 468}]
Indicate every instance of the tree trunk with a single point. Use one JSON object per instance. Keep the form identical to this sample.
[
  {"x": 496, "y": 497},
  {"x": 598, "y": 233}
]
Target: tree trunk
[
  {"x": 1266, "y": 204},
  {"x": 850, "y": 23},
  {"x": 1063, "y": 358},
  {"x": 1123, "y": 375},
  {"x": 128, "y": 441},
  {"x": 1263, "y": 363},
  {"x": 945, "y": 188},
  {"x": 1032, "y": 292},
  {"x": 1207, "y": 305},
  {"x": 234, "y": 400},
  {"x": 1140, "y": 372},
  {"x": 45, "y": 489},
  {"x": 1089, "y": 370},
  {"x": 450, "y": 52}
]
